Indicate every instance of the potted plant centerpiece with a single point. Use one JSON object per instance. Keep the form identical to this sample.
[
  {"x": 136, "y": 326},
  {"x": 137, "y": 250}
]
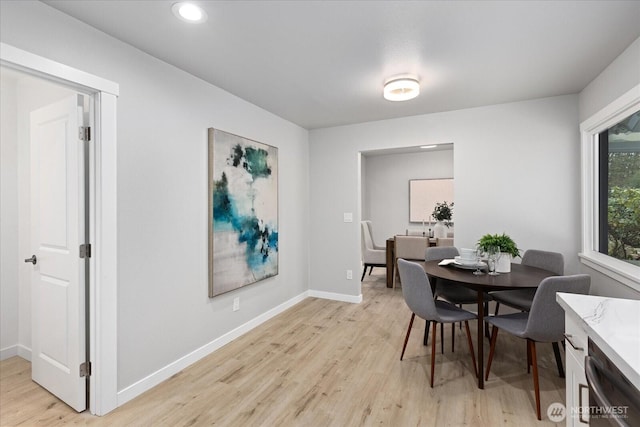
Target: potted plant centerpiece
[
  {"x": 508, "y": 249},
  {"x": 442, "y": 213}
]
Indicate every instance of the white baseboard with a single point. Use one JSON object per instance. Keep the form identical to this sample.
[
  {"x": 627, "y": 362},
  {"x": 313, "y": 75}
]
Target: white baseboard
[
  {"x": 336, "y": 297},
  {"x": 8, "y": 352},
  {"x": 173, "y": 368},
  {"x": 24, "y": 352},
  {"x": 15, "y": 350}
]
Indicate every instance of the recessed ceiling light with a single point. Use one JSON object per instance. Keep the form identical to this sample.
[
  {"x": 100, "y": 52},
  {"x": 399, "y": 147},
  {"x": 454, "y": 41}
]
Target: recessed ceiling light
[
  {"x": 189, "y": 12},
  {"x": 401, "y": 88},
  {"x": 428, "y": 146}
]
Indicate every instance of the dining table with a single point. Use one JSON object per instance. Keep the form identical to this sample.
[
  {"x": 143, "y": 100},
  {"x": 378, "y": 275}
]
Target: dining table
[{"x": 521, "y": 276}]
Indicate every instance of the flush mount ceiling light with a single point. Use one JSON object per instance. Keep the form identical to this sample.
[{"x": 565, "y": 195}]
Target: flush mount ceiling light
[
  {"x": 401, "y": 88},
  {"x": 189, "y": 12},
  {"x": 426, "y": 147}
]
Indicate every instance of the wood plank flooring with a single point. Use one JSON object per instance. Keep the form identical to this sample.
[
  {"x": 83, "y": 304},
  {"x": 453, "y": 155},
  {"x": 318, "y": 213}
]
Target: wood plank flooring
[{"x": 320, "y": 363}]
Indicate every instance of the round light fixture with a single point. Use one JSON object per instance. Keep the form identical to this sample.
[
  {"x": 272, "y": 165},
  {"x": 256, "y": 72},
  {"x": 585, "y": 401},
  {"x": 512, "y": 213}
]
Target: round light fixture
[
  {"x": 401, "y": 89},
  {"x": 189, "y": 12}
]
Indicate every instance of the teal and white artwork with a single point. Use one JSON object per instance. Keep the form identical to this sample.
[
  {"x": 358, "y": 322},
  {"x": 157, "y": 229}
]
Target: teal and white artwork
[{"x": 243, "y": 211}]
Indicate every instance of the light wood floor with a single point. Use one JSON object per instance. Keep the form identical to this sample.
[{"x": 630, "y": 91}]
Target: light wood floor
[{"x": 320, "y": 363}]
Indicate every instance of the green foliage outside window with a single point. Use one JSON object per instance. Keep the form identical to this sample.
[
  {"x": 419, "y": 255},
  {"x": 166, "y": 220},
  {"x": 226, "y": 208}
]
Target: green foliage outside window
[{"x": 623, "y": 207}]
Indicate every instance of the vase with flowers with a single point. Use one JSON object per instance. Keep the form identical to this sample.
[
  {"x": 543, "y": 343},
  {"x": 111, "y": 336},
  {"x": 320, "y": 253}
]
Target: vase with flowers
[{"x": 442, "y": 213}]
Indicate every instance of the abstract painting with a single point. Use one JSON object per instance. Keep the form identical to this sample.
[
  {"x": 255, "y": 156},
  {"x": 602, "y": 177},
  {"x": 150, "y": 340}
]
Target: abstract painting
[{"x": 243, "y": 211}]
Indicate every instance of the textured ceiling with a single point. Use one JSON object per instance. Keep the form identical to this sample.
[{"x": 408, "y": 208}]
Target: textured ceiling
[{"x": 323, "y": 63}]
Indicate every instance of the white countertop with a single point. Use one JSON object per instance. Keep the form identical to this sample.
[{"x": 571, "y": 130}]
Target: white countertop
[{"x": 613, "y": 324}]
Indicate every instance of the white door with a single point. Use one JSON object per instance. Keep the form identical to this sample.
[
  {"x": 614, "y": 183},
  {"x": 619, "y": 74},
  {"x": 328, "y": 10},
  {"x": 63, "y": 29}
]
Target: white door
[{"x": 57, "y": 230}]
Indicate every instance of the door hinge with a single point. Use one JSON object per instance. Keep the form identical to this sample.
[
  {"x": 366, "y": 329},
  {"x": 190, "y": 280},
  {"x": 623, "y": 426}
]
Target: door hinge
[
  {"x": 85, "y": 369},
  {"x": 85, "y": 250},
  {"x": 84, "y": 133}
]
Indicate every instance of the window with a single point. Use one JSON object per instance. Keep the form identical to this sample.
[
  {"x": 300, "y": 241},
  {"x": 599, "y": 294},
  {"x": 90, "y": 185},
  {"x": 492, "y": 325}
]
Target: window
[
  {"x": 611, "y": 190},
  {"x": 619, "y": 190}
]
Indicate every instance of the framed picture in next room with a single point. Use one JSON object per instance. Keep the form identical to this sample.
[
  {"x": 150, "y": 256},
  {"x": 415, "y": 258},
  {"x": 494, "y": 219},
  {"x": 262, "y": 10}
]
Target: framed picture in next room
[
  {"x": 425, "y": 193},
  {"x": 243, "y": 211}
]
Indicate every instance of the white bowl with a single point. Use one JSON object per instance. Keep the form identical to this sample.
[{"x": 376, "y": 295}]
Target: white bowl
[
  {"x": 468, "y": 254},
  {"x": 463, "y": 261}
]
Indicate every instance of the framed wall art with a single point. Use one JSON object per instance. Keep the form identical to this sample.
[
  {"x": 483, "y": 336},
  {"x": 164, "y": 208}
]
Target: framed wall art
[
  {"x": 243, "y": 212},
  {"x": 424, "y": 194}
]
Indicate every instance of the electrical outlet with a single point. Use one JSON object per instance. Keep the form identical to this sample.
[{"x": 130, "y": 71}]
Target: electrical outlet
[
  {"x": 349, "y": 274},
  {"x": 236, "y": 304}
]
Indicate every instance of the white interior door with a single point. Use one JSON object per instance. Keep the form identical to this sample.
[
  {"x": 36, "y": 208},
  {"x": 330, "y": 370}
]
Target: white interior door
[{"x": 57, "y": 230}]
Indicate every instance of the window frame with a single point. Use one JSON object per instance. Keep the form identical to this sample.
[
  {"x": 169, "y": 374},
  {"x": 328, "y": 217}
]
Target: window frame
[{"x": 623, "y": 272}]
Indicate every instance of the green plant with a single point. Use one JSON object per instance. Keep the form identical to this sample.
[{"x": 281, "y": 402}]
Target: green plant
[
  {"x": 623, "y": 228},
  {"x": 443, "y": 212},
  {"x": 504, "y": 242}
]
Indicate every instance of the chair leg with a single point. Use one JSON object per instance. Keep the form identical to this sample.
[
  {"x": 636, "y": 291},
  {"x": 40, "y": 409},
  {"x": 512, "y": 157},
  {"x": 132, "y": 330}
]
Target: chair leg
[
  {"x": 426, "y": 333},
  {"x": 473, "y": 353},
  {"x": 556, "y": 351},
  {"x": 363, "y": 272},
  {"x": 371, "y": 270},
  {"x": 453, "y": 337},
  {"x": 406, "y": 339},
  {"x": 536, "y": 384},
  {"x": 486, "y": 326},
  {"x": 528, "y": 359},
  {"x": 492, "y": 350},
  {"x": 433, "y": 351},
  {"x": 495, "y": 313},
  {"x": 441, "y": 338}
]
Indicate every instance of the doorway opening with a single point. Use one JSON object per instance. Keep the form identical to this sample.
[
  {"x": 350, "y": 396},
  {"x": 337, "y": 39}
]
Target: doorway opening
[{"x": 101, "y": 225}]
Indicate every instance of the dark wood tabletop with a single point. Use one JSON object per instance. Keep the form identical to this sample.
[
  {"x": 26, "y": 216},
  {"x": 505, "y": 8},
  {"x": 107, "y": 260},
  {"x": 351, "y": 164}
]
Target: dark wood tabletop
[{"x": 521, "y": 276}]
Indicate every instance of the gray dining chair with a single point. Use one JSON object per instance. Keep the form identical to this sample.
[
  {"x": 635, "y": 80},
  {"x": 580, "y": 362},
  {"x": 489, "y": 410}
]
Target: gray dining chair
[
  {"x": 543, "y": 323},
  {"x": 521, "y": 299},
  {"x": 450, "y": 291},
  {"x": 371, "y": 257},
  {"x": 417, "y": 293}
]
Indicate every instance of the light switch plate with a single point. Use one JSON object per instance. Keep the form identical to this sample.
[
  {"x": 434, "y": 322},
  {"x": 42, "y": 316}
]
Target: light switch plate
[{"x": 348, "y": 217}]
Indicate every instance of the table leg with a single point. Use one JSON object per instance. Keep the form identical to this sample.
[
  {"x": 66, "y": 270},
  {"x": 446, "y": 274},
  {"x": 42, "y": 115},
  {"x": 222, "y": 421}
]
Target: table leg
[
  {"x": 480, "y": 339},
  {"x": 390, "y": 249}
]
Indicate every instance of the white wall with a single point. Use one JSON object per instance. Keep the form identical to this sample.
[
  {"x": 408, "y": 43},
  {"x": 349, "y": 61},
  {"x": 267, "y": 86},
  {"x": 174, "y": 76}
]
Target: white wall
[
  {"x": 516, "y": 170},
  {"x": 618, "y": 78},
  {"x": 386, "y": 183},
  {"x": 163, "y": 115},
  {"x": 9, "y": 286}
]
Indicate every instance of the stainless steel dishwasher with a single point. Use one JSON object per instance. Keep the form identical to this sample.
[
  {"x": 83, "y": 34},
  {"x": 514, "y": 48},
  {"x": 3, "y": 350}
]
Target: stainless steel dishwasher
[{"x": 613, "y": 399}]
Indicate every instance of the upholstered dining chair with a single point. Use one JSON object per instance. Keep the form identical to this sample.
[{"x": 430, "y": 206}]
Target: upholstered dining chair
[
  {"x": 370, "y": 227},
  {"x": 449, "y": 291},
  {"x": 416, "y": 291},
  {"x": 411, "y": 248},
  {"x": 543, "y": 323},
  {"x": 444, "y": 241},
  {"x": 371, "y": 257},
  {"x": 521, "y": 299}
]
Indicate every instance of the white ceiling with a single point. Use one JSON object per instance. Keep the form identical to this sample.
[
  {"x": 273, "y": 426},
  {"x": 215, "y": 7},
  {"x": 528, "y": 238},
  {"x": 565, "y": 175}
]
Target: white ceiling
[{"x": 323, "y": 63}]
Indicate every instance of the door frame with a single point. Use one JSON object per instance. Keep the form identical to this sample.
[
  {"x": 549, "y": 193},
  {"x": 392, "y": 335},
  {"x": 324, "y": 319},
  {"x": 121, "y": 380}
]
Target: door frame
[{"x": 103, "y": 384}]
